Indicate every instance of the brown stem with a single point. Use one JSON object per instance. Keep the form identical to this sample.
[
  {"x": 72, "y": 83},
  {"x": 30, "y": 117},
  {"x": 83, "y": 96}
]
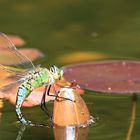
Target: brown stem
[{"x": 132, "y": 120}]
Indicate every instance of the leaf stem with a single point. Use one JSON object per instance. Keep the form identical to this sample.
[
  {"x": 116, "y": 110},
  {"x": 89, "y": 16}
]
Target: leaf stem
[{"x": 133, "y": 117}]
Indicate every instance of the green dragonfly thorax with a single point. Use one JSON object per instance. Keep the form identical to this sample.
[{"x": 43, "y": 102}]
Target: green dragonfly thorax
[{"x": 42, "y": 76}]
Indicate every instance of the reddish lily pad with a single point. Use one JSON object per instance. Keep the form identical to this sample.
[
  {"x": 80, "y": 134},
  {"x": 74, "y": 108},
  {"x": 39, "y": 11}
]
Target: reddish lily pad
[
  {"x": 107, "y": 76},
  {"x": 31, "y": 53},
  {"x": 18, "y": 41}
]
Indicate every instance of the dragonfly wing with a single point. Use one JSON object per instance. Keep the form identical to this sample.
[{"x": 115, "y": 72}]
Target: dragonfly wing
[
  {"x": 11, "y": 71},
  {"x": 10, "y": 87},
  {"x": 8, "y": 52},
  {"x": 10, "y": 78}
]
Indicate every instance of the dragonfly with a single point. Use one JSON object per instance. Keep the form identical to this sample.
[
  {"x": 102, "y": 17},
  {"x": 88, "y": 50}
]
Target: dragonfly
[{"x": 28, "y": 77}]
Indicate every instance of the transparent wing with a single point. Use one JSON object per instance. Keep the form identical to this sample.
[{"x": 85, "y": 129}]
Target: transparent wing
[
  {"x": 10, "y": 87},
  {"x": 12, "y": 72},
  {"x": 9, "y": 55},
  {"x": 11, "y": 78}
]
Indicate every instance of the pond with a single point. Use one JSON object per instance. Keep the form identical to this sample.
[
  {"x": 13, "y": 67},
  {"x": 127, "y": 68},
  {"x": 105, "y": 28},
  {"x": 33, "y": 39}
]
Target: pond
[
  {"x": 69, "y": 32},
  {"x": 113, "y": 113}
]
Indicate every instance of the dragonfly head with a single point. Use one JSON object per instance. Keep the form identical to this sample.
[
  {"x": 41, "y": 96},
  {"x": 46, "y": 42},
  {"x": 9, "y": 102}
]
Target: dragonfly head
[{"x": 56, "y": 72}]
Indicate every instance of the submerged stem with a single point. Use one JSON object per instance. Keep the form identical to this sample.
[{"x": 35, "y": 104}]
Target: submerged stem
[{"x": 132, "y": 120}]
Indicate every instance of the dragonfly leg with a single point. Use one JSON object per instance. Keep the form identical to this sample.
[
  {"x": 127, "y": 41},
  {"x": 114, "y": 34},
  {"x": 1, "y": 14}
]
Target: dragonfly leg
[
  {"x": 56, "y": 94},
  {"x": 20, "y": 133},
  {"x": 43, "y": 105}
]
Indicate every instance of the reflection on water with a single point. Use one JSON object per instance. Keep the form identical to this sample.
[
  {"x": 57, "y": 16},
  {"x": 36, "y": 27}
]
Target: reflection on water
[
  {"x": 62, "y": 133},
  {"x": 71, "y": 133},
  {"x": 20, "y": 133}
]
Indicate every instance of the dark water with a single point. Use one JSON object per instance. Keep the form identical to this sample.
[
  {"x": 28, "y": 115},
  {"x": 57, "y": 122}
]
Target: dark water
[
  {"x": 113, "y": 113},
  {"x": 62, "y": 27}
]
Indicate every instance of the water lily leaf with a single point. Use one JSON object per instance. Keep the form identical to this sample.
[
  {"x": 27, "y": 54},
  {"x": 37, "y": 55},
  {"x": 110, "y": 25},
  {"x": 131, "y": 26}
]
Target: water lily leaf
[
  {"x": 106, "y": 76},
  {"x": 18, "y": 41},
  {"x": 31, "y": 53}
]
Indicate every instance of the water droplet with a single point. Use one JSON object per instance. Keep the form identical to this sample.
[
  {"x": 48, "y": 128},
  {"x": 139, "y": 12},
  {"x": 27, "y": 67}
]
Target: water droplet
[
  {"x": 124, "y": 63},
  {"x": 109, "y": 88}
]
